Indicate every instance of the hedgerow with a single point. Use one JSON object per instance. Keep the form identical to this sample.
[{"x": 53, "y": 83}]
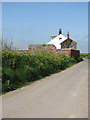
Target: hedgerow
[{"x": 19, "y": 68}]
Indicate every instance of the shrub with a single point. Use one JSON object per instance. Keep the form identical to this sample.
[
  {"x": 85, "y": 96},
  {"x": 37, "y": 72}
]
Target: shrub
[{"x": 18, "y": 68}]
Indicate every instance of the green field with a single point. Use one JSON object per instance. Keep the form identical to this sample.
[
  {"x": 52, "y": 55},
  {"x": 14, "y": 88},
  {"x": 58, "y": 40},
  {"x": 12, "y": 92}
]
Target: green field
[{"x": 85, "y": 55}]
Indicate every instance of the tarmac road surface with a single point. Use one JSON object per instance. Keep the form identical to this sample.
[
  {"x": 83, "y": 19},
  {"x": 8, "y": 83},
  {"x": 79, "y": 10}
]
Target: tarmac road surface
[{"x": 61, "y": 95}]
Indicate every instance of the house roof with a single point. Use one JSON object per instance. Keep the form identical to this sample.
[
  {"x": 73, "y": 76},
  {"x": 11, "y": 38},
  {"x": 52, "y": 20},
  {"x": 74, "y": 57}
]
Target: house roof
[
  {"x": 57, "y": 41},
  {"x": 52, "y": 37}
]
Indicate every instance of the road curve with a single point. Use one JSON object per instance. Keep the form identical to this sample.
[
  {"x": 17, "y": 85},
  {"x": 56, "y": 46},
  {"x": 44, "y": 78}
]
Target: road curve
[{"x": 61, "y": 95}]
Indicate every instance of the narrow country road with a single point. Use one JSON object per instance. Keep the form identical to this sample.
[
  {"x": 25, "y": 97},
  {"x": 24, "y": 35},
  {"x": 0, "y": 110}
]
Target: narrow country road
[{"x": 61, "y": 95}]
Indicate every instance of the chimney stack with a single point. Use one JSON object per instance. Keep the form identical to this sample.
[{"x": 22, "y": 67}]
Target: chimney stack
[
  {"x": 67, "y": 35},
  {"x": 60, "y": 32}
]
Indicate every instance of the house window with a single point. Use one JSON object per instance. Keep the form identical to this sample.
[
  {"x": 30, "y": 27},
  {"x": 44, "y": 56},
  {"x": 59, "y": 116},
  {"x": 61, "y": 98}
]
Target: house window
[
  {"x": 71, "y": 46},
  {"x": 60, "y": 38}
]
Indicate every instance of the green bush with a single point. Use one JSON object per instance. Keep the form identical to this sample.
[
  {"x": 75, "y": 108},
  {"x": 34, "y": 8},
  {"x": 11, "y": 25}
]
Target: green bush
[{"x": 19, "y": 68}]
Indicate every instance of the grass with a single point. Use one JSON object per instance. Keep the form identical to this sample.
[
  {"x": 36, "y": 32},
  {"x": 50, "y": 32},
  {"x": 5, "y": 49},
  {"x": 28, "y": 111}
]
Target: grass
[{"x": 85, "y": 55}]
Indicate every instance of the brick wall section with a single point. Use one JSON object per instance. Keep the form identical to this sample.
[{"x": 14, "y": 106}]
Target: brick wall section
[
  {"x": 51, "y": 48},
  {"x": 69, "y": 52},
  {"x": 42, "y": 47},
  {"x": 62, "y": 51}
]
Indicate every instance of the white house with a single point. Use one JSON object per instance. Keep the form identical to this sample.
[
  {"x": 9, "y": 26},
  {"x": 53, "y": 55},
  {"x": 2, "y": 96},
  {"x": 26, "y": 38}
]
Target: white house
[{"x": 61, "y": 41}]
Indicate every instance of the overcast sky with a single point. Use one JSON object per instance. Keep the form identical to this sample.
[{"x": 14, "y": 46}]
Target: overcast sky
[{"x": 35, "y": 22}]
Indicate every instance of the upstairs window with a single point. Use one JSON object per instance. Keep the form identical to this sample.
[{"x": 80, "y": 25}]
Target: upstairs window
[
  {"x": 60, "y": 38},
  {"x": 71, "y": 46}
]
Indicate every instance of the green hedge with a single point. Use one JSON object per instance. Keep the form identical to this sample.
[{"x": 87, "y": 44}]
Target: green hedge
[{"x": 20, "y": 68}]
